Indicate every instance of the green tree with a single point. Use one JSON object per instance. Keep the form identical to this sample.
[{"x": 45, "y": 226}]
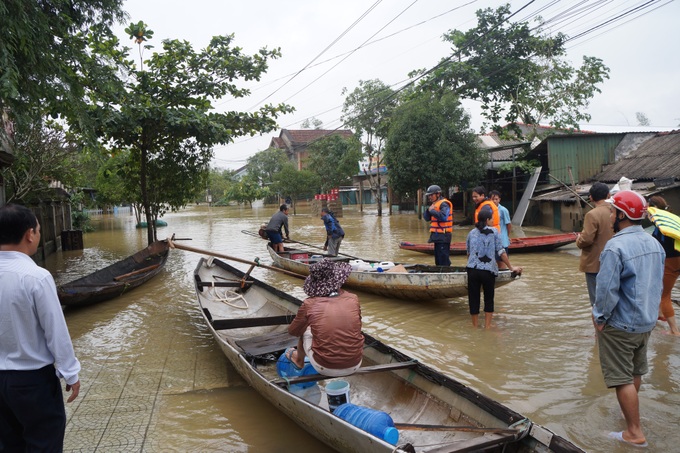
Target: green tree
[
  {"x": 334, "y": 159},
  {"x": 312, "y": 123},
  {"x": 166, "y": 119},
  {"x": 246, "y": 190},
  {"x": 367, "y": 111},
  {"x": 219, "y": 184},
  {"x": 43, "y": 153},
  {"x": 47, "y": 68},
  {"x": 517, "y": 74},
  {"x": 296, "y": 184},
  {"x": 430, "y": 142},
  {"x": 265, "y": 164}
]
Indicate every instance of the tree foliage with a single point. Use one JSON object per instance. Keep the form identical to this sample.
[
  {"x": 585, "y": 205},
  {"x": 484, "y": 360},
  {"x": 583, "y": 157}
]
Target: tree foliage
[
  {"x": 295, "y": 184},
  {"x": 43, "y": 153},
  {"x": 166, "y": 119},
  {"x": 430, "y": 142},
  {"x": 46, "y": 67},
  {"x": 263, "y": 165},
  {"x": 335, "y": 159},
  {"x": 367, "y": 111},
  {"x": 246, "y": 190},
  {"x": 517, "y": 74}
]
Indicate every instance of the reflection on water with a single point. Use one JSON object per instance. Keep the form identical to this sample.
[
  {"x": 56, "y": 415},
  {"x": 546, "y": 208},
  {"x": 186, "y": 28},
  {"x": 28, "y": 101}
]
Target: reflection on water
[{"x": 540, "y": 358}]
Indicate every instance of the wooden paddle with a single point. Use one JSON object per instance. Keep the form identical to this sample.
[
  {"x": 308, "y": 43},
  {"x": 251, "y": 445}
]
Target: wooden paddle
[
  {"x": 320, "y": 248},
  {"x": 232, "y": 258}
]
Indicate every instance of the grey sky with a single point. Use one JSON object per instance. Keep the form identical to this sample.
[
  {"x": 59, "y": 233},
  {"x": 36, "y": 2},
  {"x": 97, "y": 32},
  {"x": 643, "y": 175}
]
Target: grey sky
[{"x": 641, "y": 51}]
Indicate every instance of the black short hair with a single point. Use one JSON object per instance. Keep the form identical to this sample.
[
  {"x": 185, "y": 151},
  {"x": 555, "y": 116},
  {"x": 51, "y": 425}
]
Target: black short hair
[
  {"x": 599, "y": 191},
  {"x": 283, "y": 207},
  {"x": 480, "y": 190},
  {"x": 493, "y": 193},
  {"x": 15, "y": 220}
]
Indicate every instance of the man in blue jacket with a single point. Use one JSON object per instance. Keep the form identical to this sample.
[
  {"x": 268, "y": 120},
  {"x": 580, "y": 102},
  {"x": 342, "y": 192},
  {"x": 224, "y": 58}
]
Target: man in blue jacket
[
  {"x": 627, "y": 298},
  {"x": 334, "y": 232}
]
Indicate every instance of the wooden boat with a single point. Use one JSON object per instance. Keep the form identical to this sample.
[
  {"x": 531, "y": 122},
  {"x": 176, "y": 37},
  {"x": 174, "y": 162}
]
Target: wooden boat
[
  {"x": 432, "y": 411},
  {"x": 517, "y": 245},
  {"x": 405, "y": 281},
  {"x": 116, "y": 279}
]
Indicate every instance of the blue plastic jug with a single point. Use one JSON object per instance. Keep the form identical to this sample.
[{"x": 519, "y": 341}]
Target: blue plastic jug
[
  {"x": 378, "y": 423},
  {"x": 286, "y": 369}
]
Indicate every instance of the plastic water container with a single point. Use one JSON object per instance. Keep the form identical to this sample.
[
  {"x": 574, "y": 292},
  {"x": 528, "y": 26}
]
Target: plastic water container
[
  {"x": 337, "y": 393},
  {"x": 378, "y": 423},
  {"x": 286, "y": 369},
  {"x": 361, "y": 266}
]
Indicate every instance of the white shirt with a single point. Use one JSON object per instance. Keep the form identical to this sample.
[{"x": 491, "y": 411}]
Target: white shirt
[{"x": 33, "y": 331}]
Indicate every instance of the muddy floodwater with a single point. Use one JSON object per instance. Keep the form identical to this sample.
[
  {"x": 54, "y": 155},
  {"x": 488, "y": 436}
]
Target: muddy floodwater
[{"x": 153, "y": 379}]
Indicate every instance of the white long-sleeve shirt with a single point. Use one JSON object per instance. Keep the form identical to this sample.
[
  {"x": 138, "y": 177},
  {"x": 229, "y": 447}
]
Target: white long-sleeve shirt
[{"x": 33, "y": 331}]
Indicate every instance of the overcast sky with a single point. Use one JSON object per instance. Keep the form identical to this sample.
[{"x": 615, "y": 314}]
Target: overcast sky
[{"x": 341, "y": 43}]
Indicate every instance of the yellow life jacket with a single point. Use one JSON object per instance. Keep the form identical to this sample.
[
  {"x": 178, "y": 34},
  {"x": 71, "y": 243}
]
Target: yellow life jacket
[{"x": 667, "y": 222}]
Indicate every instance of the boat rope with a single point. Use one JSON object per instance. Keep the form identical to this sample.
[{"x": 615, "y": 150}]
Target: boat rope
[{"x": 229, "y": 296}]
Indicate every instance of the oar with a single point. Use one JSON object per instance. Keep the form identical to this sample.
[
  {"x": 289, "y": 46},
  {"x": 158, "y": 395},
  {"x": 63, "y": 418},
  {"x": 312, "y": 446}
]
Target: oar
[
  {"x": 320, "y": 248},
  {"x": 470, "y": 429},
  {"x": 232, "y": 258}
]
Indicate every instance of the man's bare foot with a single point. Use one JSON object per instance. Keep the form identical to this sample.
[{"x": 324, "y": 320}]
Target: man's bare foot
[{"x": 292, "y": 355}]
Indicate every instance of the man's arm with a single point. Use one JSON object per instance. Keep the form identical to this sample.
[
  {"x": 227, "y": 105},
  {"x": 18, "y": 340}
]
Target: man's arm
[{"x": 607, "y": 287}]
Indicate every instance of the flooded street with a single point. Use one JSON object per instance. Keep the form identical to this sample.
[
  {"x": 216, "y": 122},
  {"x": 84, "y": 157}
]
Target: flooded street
[{"x": 154, "y": 380}]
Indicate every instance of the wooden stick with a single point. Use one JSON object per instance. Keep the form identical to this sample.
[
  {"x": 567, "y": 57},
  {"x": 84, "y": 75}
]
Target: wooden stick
[
  {"x": 207, "y": 252},
  {"x": 320, "y": 248},
  {"x": 363, "y": 370},
  {"x": 237, "y": 323},
  {"x": 139, "y": 271},
  {"x": 469, "y": 429}
]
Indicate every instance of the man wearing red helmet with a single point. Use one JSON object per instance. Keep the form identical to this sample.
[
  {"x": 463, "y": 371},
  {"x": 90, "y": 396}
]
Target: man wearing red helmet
[{"x": 628, "y": 294}]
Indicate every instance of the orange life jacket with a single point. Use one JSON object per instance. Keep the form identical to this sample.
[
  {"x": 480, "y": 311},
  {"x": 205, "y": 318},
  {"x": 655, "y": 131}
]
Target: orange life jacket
[
  {"x": 442, "y": 226},
  {"x": 495, "y": 217}
]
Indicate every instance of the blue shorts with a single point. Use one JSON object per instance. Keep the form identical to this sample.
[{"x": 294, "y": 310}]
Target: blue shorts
[{"x": 275, "y": 237}]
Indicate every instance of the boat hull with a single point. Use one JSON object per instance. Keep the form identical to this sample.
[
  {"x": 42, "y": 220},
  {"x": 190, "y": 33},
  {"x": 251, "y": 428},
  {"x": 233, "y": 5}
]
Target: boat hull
[
  {"x": 418, "y": 282},
  {"x": 457, "y": 417},
  {"x": 116, "y": 279},
  {"x": 531, "y": 244}
]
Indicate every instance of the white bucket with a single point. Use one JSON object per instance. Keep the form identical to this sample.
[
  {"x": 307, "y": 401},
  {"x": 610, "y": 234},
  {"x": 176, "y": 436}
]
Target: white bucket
[{"x": 338, "y": 393}]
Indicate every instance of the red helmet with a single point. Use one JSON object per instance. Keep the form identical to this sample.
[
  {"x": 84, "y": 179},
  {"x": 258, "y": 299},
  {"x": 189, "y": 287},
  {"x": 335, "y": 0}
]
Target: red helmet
[{"x": 630, "y": 203}]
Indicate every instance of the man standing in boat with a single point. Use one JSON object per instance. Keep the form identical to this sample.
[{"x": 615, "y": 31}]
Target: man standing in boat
[
  {"x": 276, "y": 226},
  {"x": 440, "y": 216},
  {"x": 627, "y": 298},
  {"x": 35, "y": 346},
  {"x": 597, "y": 230},
  {"x": 328, "y": 323},
  {"x": 334, "y": 232}
]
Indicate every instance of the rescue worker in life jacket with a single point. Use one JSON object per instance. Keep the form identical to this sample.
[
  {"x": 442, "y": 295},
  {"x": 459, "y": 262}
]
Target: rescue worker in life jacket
[{"x": 440, "y": 216}]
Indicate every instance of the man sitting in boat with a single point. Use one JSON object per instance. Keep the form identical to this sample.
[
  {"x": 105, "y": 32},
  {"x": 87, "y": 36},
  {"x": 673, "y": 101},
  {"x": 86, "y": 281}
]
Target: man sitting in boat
[
  {"x": 328, "y": 322},
  {"x": 277, "y": 225}
]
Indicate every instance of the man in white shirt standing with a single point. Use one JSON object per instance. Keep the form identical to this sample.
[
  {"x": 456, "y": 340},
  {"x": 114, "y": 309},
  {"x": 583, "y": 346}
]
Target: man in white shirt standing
[{"x": 35, "y": 345}]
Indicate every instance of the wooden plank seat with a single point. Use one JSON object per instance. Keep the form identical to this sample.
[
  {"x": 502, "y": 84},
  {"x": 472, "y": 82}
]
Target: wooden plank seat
[
  {"x": 267, "y": 344},
  {"x": 362, "y": 370}
]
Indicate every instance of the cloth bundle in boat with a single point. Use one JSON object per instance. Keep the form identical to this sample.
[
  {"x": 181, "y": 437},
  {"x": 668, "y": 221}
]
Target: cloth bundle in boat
[
  {"x": 326, "y": 277},
  {"x": 668, "y": 223}
]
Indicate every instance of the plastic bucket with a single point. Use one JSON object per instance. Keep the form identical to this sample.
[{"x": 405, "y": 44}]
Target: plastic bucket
[{"x": 338, "y": 393}]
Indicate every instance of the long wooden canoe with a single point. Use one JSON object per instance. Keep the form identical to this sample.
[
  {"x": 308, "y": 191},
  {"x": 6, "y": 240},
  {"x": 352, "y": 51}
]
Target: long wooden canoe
[
  {"x": 517, "y": 245},
  {"x": 116, "y": 279},
  {"x": 406, "y": 281},
  {"x": 432, "y": 412}
]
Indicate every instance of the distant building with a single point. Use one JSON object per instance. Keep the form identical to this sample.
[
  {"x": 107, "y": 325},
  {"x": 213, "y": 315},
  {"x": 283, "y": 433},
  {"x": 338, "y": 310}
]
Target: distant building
[{"x": 295, "y": 142}]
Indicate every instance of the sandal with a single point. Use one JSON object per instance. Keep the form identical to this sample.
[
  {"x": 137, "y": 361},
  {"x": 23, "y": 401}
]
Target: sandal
[{"x": 289, "y": 356}]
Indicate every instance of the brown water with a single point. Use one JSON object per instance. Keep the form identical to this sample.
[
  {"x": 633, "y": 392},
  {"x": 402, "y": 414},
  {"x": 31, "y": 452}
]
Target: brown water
[{"x": 152, "y": 348}]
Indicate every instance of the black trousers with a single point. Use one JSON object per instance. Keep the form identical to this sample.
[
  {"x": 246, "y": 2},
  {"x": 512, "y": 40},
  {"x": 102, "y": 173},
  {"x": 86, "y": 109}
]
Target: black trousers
[
  {"x": 477, "y": 280},
  {"x": 32, "y": 414}
]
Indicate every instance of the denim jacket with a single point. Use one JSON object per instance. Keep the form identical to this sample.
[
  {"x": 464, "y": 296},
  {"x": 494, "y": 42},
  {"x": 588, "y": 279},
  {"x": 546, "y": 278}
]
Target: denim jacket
[{"x": 630, "y": 281}]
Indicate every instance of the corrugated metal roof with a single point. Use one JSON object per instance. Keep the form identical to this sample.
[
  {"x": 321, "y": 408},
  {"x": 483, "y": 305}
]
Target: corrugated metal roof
[
  {"x": 644, "y": 188},
  {"x": 656, "y": 158}
]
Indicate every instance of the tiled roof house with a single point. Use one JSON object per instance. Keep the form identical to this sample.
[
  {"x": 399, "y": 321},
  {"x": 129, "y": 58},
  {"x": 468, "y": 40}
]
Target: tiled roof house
[{"x": 296, "y": 141}]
